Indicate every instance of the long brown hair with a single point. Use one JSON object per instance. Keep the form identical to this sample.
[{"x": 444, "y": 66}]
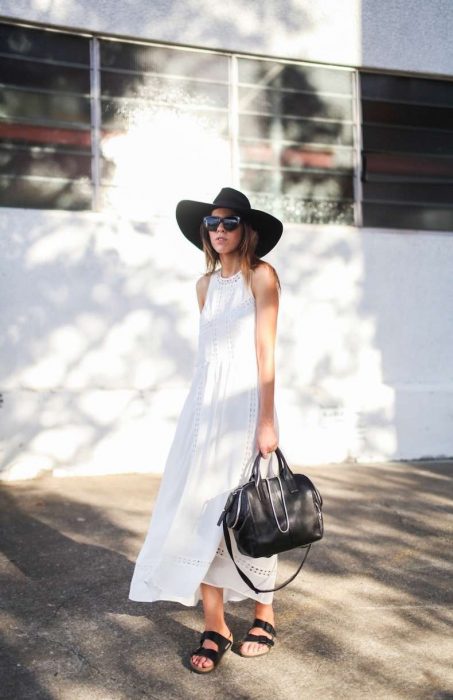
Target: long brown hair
[{"x": 247, "y": 247}]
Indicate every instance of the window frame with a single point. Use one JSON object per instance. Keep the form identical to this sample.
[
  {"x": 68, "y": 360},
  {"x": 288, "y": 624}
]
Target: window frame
[
  {"x": 299, "y": 150},
  {"x": 340, "y": 172},
  {"x": 392, "y": 191}
]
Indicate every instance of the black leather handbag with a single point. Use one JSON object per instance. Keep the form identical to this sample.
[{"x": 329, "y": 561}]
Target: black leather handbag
[{"x": 273, "y": 515}]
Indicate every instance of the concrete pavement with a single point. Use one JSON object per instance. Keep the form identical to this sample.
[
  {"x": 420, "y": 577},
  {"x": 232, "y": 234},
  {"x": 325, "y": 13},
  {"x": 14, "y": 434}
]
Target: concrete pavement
[{"x": 370, "y": 616}]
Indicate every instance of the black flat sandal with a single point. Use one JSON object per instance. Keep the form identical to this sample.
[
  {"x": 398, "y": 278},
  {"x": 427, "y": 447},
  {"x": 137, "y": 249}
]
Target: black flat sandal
[
  {"x": 215, "y": 656},
  {"x": 259, "y": 638}
]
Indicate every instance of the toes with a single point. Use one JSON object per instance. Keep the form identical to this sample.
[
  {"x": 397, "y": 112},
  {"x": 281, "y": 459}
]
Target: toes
[
  {"x": 253, "y": 648},
  {"x": 201, "y": 661},
  {"x": 197, "y": 660}
]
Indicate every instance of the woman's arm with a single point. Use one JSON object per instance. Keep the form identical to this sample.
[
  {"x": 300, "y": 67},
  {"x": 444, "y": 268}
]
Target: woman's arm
[{"x": 265, "y": 290}]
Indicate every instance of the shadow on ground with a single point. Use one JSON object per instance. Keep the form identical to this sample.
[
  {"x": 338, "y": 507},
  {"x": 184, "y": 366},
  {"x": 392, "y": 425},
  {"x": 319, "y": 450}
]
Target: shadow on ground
[{"x": 370, "y": 617}]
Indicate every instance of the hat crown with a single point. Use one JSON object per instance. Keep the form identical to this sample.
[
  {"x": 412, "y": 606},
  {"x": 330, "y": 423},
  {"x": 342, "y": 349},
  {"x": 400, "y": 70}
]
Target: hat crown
[{"x": 230, "y": 198}]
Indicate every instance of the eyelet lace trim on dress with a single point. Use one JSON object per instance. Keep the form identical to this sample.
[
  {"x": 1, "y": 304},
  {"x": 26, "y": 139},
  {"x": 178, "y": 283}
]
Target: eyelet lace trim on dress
[
  {"x": 185, "y": 561},
  {"x": 247, "y": 564},
  {"x": 228, "y": 280}
]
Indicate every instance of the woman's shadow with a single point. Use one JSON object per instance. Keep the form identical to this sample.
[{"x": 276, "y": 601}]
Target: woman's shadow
[{"x": 69, "y": 599}]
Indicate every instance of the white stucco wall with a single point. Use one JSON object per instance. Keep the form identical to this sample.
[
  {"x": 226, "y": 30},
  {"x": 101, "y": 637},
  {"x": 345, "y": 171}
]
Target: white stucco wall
[
  {"x": 99, "y": 321},
  {"x": 99, "y": 312},
  {"x": 408, "y": 35}
]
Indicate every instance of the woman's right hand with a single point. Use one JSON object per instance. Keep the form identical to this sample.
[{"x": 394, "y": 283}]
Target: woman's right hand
[{"x": 266, "y": 438}]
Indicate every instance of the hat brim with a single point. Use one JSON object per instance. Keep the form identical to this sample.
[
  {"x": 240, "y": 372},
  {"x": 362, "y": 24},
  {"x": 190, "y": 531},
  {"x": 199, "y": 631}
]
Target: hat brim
[{"x": 189, "y": 215}]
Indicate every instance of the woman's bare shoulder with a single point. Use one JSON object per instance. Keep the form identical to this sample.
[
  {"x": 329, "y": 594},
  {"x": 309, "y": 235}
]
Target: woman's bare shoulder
[
  {"x": 264, "y": 276},
  {"x": 203, "y": 283},
  {"x": 202, "y": 289}
]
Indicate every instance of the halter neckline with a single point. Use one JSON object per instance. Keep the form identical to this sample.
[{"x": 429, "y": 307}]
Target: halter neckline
[{"x": 231, "y": 278}]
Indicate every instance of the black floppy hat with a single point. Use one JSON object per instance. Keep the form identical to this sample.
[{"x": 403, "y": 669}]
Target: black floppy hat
[{"x": 189, "y": 215}]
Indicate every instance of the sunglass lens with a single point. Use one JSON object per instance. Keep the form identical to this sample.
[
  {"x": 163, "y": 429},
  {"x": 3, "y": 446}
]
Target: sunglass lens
[
  {"x": 231, "y": 222},
  {"x": 211, "y": 222}
]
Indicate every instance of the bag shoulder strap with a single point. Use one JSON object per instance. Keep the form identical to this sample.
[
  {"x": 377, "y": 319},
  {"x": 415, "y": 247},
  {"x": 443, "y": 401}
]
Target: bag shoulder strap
[{"x": 246, "y": 578}]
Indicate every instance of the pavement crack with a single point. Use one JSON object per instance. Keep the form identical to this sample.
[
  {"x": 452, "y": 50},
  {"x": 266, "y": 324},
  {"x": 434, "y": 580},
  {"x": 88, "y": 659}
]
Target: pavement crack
[{"x": 74, "y": 651}]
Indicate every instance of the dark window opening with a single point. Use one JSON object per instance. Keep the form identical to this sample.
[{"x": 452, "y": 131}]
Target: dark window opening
[
  {"x": 407, "y": 159},
  {"x": 45, "y": 119}
]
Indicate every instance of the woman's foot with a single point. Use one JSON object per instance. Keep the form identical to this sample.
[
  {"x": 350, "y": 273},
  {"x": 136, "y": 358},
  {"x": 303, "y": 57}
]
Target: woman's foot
[
  {"x": 265, "y": 615},
  {"x": 203, "y": 663}
]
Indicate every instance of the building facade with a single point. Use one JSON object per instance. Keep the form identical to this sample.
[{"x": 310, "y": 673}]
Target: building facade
[{"x": 335, "y": 116}]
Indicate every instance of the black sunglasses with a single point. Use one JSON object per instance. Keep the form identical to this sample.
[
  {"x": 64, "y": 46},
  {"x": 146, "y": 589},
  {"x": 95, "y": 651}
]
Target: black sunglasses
[{"x": 229, "y": 222}]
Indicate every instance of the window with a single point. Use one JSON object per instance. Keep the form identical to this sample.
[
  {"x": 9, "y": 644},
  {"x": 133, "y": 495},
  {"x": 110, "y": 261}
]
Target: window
[
  {"x": 161, "y": 109},
  {"x": 45, "y": 133},
  {"x": 407, "y": 152},
  {"x": 96, "y": 123},
  {"x": 93, "y": 122},
  {"x": 296, "y": 149}
]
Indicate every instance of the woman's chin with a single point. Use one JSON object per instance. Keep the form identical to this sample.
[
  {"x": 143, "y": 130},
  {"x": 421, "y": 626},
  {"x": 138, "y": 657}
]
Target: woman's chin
[{"x": 223, "y": 250}]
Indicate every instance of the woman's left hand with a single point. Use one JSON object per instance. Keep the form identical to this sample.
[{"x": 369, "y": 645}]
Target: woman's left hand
[{"x": 266, "y": 438}]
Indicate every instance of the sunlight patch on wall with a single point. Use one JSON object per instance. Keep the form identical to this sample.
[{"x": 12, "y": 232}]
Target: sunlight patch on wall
[{"x": 163, "y": 157}]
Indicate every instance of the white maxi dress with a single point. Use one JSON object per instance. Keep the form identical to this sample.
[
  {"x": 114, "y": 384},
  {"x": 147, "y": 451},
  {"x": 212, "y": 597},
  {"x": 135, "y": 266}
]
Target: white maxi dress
[{"x": 212, "y": 452}]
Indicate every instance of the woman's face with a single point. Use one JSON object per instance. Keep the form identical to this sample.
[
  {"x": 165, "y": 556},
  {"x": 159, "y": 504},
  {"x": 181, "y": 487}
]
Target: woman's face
[{"x": 223, "y": 241}]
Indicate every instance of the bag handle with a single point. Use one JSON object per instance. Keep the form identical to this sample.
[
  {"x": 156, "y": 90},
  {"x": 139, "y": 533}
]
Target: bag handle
[
  {"x": 283, "y": 470},
  {"x": 286, "y": 472},
  {"x": 246, "y": 579}
]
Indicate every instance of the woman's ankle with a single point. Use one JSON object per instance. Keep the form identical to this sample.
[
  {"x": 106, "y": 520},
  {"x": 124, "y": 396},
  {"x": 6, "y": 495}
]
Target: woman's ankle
[
  {"x": 214, "y": 615},
  {"x": 264, "y": 612},
  {"x": 219, "y": 626}
]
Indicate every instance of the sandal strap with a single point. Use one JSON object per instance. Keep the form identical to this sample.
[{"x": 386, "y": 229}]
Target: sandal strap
[
  {"x": 222, "y": 642},
  {"x": 266, "y": 626},
  {"x": 259, "y": 639},
  {"x": 210, "y": 654}
]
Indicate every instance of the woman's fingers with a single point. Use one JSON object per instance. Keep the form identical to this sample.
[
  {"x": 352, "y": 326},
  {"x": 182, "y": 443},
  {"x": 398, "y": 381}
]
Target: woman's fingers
[{"x": 266, "y": 448}]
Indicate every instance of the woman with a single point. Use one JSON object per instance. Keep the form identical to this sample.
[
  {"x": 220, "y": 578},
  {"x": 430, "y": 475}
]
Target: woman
[{"x": 227, "y": 417}]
